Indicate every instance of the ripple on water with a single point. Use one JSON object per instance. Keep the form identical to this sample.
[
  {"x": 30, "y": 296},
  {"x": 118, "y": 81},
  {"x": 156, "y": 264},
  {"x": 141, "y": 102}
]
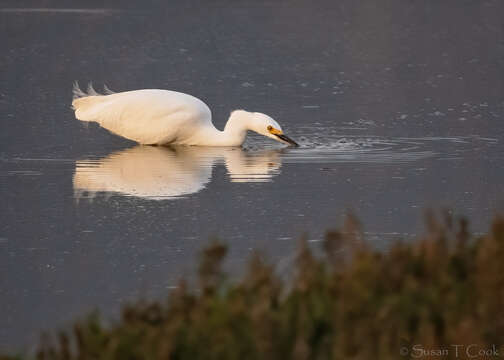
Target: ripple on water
[{"x": 331, "y": 148}]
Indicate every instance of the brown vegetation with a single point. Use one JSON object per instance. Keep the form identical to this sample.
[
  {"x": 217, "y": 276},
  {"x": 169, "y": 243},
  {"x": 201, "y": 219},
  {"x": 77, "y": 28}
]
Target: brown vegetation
[{"x": 445, "y": 289}]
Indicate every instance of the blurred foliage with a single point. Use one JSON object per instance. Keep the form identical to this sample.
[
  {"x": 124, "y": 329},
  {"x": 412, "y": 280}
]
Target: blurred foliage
[{"x": 353, "y": 302}]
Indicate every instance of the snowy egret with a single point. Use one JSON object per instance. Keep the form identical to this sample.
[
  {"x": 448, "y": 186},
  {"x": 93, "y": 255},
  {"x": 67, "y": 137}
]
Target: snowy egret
[
  {"x": 158, "y": 173},
  {"x": 161, "y": 117}
]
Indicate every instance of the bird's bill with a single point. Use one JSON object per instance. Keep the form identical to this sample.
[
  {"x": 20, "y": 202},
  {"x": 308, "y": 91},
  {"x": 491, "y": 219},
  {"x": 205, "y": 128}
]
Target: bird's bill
[{"x": 287, "y": 139}]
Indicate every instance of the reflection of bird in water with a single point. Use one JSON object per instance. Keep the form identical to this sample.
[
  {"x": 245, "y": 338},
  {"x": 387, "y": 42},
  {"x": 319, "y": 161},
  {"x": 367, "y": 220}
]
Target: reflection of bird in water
[
  {"x": 165, "y": 117},
  {"x": 162, "y": 172}
]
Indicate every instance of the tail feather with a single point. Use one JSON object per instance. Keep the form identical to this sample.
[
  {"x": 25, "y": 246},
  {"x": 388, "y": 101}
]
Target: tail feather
[
  {"x": 91, "y": 91},
  {"x": 107, "y": 90},
  {"x": 78, "y": 93},
  {"x": 86, "y": 104}
]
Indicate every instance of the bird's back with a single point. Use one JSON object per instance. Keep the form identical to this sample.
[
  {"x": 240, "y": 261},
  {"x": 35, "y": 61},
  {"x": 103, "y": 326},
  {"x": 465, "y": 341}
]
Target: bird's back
[{"x": 149, "y": 116}]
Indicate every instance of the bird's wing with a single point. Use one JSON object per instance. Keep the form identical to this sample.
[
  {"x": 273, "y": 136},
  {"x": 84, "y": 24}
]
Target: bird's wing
[{"x": 146, "y": 116}]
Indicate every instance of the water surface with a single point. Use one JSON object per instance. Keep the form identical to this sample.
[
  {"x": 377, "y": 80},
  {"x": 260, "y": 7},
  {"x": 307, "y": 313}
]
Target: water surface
[{"x": 398, "y": 107}]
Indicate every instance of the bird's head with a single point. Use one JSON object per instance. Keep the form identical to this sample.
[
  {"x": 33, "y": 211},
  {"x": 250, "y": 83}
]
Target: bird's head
[{"x": 265, "y": 125}]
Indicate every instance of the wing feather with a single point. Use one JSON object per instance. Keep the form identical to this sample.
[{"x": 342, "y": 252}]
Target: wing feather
[{"x": 148, "y": 116}]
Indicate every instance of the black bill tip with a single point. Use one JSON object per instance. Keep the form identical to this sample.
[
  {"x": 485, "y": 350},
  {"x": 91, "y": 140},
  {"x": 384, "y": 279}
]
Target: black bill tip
[{"x": 287, "y": 140}]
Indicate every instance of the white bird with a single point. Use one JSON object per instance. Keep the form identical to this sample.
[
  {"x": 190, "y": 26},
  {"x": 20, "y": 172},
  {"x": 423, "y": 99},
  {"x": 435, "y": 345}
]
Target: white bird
[
  {"x": 161, "y": 117},
  {"x": 158, "y": 173}
]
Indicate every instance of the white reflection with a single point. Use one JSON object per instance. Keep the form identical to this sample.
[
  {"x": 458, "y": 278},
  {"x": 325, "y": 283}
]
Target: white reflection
[{"x": 162, "y": 172}]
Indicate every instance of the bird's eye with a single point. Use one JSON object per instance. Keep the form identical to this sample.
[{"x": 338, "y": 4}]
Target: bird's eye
[{"x": 270, "y": 127}]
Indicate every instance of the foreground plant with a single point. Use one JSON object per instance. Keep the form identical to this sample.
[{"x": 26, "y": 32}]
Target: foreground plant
[{"x": 416, "y": 300}]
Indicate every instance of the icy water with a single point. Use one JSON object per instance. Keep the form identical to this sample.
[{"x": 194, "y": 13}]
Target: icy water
[{"x": 398, "y": 107}]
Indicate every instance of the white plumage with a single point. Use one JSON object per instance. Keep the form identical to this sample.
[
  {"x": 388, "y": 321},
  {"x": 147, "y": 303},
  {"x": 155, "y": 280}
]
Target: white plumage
[
  {"x": 160, "y": 117},
  {"x": 160, "y": 172}
]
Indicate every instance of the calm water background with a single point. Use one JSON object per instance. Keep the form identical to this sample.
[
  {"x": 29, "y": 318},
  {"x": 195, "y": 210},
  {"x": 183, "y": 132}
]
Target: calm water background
[{"x": 398, "y": 106}]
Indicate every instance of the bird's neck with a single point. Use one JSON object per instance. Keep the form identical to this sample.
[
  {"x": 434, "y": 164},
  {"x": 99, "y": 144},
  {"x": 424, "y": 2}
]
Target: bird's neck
[{"x": 234, "y": 132}]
